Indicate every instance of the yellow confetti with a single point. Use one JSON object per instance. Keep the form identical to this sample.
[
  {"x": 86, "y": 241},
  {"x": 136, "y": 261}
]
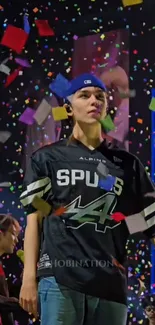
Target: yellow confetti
[
  {"x": 59, "y": 113},
  {"x": 20, "y": 254},
  {"x": 102, "y": 37},
  {"x": 152, "y": 104},
  {"x": 131, "y": 2},
  {"x": 41, "y": 205}
]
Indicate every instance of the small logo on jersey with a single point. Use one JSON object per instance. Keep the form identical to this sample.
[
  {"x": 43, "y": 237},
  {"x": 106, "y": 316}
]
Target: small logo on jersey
[
  {"x": 87, "y": 82},
  {"x": 100, "y": 209},
  {"x": 116, "y": 159},
  {"x": 92, "y": 159}
]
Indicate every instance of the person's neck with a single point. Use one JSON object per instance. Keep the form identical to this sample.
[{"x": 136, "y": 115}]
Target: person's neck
[
  {"x": 151, "y": 321},
  {"x": 1, "y": 252},
  {"x": 90, "y": 136}
]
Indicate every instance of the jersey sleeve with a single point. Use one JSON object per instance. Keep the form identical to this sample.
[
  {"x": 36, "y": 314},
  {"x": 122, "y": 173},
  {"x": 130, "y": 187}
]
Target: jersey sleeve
[
  {"x": 36, "y": 183},
  {"x": 147, "y": 204}
]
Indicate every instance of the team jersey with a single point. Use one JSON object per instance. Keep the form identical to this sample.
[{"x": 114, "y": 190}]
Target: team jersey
[{"x": 84, "y": 248}]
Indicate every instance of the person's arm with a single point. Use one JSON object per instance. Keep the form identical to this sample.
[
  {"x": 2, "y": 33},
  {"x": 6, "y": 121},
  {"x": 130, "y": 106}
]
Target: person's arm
[
  {"x": 36, "y": 183},
  {"x": 31, "y": 240},
  {"x": 147, "y": 204},
  {"x": 9, "y": 304}
]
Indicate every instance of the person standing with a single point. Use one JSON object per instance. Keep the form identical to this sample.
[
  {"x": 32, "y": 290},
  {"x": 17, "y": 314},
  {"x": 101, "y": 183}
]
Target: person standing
[{"x": 79, "y": 277}]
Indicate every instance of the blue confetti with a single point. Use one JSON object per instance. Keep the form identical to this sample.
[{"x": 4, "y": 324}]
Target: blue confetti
[
  {"x": 59, "y": 85},
  {"x": 107, "y": 183}
]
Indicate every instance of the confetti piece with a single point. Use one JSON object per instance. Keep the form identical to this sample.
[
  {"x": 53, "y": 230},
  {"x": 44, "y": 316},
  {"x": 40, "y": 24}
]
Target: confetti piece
[
  {"x": 5, "y": 184},
  {"x": 60, "y": 85},
  {"x": 59, "y": 113},
  {"x": 1, "y": 271},
  {"x": 20, "y": 254},
  {"x": 59, "y": 211},
  {"x": 35, "y": 10},
  {"x": 107, "y": 183},
  {"x": 23, "y": 63},
  {"x": 140, "y": 121},
  {"x": 102, "y": 170},
  {"x": 58, "y": 133},
  {"x": 153, "y": 92},
  {"x": 118, "y": 216},
  {"x": 26, "y": 24},
  {"x": 14, "y": 38},
  {"x": 117, "y": 264},
  {"x": 41, "y": 205},
  {"x": 136, "y": 223},
  {"x": 27, "y": 116},
  {"x": 4, "y": 69},
  {"x": 12, "y": 77},
  {"x": 142, "y": 287},
  {"x": 43, "y": 110},
  {"x": 130, "y": 94},
  {"x": 43, "y": 28},
  {"x": 152, "y": 104},
  {"x": 6, "y": 60},
  {"x": 4, "y": 136},
  {"x": 127, "y": 3},
  {"x": 107, "y": 124}
]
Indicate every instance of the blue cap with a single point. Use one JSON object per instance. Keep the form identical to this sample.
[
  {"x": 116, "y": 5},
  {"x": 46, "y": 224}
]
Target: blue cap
[{"x": 83, "y": 81}]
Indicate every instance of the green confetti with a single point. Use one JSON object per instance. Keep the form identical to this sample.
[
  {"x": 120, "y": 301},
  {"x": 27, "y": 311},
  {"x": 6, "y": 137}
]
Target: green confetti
[{"x": 107, "y": 124}]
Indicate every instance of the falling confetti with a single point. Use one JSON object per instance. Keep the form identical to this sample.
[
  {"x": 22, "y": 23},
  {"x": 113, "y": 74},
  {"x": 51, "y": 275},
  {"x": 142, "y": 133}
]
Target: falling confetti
[{"x": 35, "y": 49}]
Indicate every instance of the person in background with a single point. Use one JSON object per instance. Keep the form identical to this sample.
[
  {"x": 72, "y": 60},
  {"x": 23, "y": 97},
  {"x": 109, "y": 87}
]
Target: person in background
[
  {"x": 148, "y": 305},
  {"x": 117, "y": 79},
  {"x": 9, "y": 230}
]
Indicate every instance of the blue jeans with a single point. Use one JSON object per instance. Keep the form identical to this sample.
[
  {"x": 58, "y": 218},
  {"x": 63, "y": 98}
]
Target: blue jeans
[{"x": 60, "y": 305}]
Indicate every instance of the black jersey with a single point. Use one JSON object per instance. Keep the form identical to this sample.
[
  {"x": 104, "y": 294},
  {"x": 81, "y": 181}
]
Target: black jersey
[{"x": 84, "y": 248}]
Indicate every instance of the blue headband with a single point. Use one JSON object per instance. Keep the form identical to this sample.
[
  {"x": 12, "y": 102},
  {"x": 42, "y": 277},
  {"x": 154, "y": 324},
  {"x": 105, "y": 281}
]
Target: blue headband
[{"x": 83, "y": 81}]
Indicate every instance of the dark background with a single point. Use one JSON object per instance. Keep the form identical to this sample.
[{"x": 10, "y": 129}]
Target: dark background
[{"x": 68, "y": 19}]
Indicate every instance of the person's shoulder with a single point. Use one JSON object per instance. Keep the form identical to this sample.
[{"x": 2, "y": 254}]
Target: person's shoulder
[
  {"x": 125, "y": 154},
  {"x": 49, "y": 151}
]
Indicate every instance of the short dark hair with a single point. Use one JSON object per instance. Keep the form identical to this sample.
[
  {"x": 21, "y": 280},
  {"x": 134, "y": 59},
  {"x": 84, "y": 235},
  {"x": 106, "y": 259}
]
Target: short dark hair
[
  {"x": 149, "y": 300},
  {"x": 6, "y": 221}
]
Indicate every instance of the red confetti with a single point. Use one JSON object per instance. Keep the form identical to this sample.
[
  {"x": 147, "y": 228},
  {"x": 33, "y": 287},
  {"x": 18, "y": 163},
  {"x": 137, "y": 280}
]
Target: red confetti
[
  {"x": 117, "y": 264},
  {"x": 1, "y": 271},
  {"x": 59, "y": 211},
  {"x": 12, "y": 77},
  {"x": 118, "y": 216},
  {"x": 14, "y": 38},
  {"x": 43, "y": 28}
]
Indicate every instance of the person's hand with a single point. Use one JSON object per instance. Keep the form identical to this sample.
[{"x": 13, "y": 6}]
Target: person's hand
[
  {"x": 142, "y": 287},
  {"x": 29, "y": 297},
  {"x": 13, "y": 299}
]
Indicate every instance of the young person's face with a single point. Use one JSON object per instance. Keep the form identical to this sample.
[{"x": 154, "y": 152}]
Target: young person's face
[
  {"x": 88, "y": 105},
  {"x": 8, "y": 240},
  {"x": 150, "y": 312}
]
